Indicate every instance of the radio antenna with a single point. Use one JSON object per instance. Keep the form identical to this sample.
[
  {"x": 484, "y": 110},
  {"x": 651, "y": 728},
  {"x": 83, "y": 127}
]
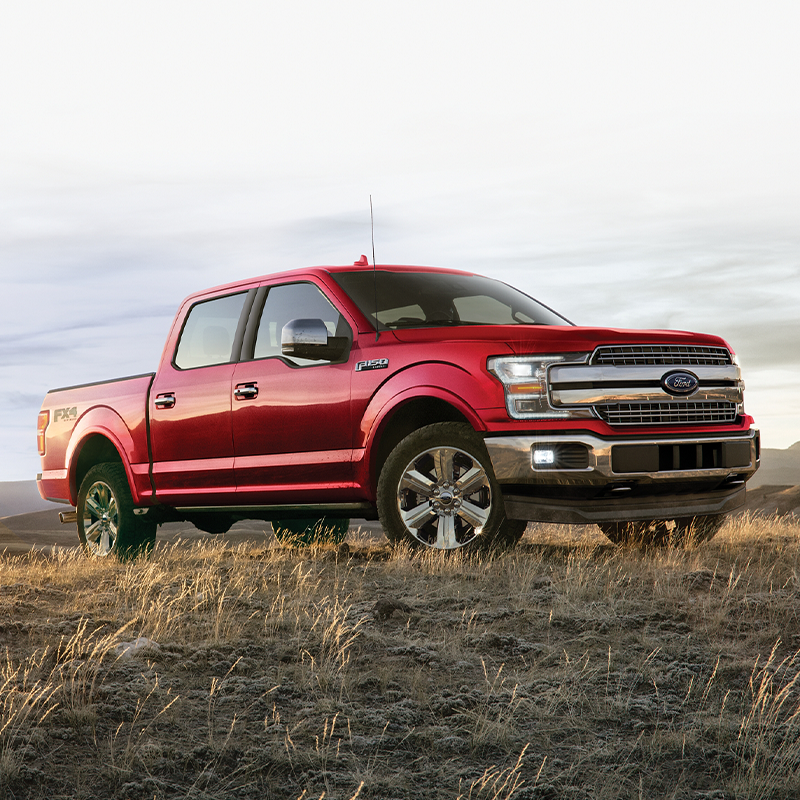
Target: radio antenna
[{"x": 374, "y": 269}]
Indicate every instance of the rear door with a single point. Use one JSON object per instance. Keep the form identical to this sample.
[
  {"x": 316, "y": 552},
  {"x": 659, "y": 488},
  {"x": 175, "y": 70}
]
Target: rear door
[
  {"x": 292, "y": 429},
  {"x": 190, "y": 405}
]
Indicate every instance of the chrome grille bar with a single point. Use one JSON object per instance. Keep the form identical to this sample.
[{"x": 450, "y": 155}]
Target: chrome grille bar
[
  {"x": 661, "y": 355},
  {"x": 678, "y": 413}
]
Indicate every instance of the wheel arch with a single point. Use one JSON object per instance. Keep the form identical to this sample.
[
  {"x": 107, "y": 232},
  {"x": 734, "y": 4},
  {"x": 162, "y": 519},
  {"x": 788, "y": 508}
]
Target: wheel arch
[
  {"x": 408, "y": 413},
  {"x": 98, "y": 438},
  {"x": 94, "y": 449}
]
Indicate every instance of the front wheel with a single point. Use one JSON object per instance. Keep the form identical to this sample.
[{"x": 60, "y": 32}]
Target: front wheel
[
  {"x": 437, "y": 490},
  {"x": 664, "y": 533},
  {"x": 106, "y": 522}
]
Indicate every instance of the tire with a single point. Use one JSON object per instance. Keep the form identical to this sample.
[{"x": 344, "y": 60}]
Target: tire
[
  {"x": 437, "y": 490},
  {"x": 681, "y": 532},
  {"x": 311, "y": 530},
  {"x": 106, "y": 522},
  {"x": 695, "y": 530}
]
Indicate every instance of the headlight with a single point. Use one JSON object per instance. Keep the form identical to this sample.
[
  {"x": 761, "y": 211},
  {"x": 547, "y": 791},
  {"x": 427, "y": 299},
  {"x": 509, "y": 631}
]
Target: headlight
[{"x": 524, "y": 380}]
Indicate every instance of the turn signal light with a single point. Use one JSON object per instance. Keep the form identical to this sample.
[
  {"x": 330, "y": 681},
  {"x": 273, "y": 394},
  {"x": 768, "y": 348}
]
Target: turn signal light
[{"x": 41, "y": 429}]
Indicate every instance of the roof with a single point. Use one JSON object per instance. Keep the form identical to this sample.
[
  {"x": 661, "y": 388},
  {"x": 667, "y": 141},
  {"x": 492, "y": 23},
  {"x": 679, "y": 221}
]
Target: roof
[{"x": 362, "y": 265}]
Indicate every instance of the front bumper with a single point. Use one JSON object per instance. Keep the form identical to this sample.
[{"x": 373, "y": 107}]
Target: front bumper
[{"x": 582, "y": 478}]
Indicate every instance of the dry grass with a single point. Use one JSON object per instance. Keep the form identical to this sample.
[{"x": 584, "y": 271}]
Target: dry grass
[{"x": 566, "y": 669}]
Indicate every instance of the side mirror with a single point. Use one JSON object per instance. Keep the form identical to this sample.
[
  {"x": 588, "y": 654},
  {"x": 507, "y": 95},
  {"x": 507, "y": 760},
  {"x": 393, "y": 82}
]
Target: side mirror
[{"x": 308, "y": 338}]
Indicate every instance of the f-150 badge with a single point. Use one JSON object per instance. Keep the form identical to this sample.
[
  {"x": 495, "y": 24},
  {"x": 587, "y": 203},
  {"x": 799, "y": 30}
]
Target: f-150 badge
[{"x": 375, "y": 363}]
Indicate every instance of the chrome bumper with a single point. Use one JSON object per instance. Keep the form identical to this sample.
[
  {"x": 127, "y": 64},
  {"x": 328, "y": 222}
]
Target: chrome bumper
[{"x": 581, "y": 478}]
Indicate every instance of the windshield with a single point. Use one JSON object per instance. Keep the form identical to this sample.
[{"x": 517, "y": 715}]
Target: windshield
[{"x": 433, "y": 299}]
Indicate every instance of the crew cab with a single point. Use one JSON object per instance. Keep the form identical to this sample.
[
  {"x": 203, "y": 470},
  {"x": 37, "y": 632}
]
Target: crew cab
[{"x": 450, "y": 406}]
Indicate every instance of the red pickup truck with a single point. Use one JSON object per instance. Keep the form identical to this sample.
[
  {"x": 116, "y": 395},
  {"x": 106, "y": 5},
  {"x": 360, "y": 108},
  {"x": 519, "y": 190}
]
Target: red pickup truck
[{"x": 450, "y": 406}]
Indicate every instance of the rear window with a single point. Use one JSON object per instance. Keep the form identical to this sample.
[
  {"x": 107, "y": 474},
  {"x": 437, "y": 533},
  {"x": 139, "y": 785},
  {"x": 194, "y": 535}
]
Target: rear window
[
  {"x": 209, "y": 332},
  {"x": 392, "y": 300}
]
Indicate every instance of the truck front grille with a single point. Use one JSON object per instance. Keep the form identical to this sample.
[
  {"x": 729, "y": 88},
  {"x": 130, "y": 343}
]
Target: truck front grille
[
  {"x": 678, "y": 413},
  {"x": 635, "y": 355}
]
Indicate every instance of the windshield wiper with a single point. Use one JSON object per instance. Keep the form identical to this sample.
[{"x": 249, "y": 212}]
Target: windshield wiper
[
  {"x": 431, "y": 323},
  {"x": 453, "y": 322}
]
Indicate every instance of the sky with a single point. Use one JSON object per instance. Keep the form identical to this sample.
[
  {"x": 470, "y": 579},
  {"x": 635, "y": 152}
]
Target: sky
[{"x": 629, "y": 164}]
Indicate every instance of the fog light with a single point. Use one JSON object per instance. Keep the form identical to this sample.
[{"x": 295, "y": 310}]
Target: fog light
[{"x": 541, "y": 457}]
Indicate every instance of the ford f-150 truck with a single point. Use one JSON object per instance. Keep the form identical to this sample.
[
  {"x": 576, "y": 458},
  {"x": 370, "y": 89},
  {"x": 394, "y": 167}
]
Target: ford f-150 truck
[{"x": 450, "y": 406}]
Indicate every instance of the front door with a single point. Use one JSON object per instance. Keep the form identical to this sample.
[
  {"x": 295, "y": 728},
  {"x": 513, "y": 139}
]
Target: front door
[{"x": 292, "y": 429}]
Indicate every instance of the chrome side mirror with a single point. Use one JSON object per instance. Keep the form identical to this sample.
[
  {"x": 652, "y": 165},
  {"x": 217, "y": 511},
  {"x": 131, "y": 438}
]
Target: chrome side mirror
[{"x": 308, "y": 338}]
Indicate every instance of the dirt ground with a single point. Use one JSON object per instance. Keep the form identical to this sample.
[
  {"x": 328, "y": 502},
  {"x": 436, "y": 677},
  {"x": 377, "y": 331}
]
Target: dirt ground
[{"x": 235, "y": 667}]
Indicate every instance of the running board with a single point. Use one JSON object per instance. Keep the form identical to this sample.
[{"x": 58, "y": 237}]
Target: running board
[{"x": 289, "y": 511}]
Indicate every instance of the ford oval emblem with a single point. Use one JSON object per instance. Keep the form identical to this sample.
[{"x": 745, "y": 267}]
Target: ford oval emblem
[{"x": 680, "y": 383}]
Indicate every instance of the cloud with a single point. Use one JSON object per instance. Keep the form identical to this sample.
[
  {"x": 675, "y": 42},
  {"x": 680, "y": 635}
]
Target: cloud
[{"x": 91, "y": 293}]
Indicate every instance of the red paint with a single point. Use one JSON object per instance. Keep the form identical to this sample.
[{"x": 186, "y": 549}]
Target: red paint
[{"x": 313, "y": 433}]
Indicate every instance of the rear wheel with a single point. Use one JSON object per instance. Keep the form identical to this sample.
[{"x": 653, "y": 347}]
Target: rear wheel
[
  {"x": 106, "y": 522},
  {"x": 437, "y": 490},
  {"x": 664, "y": 533},
  {"x": 700, "y": 529},
  {"x": 311, "y": 530}
]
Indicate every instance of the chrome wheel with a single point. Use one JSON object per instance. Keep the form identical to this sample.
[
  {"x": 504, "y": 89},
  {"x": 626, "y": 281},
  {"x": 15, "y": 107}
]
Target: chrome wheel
[
  {"x": 437, "y": 491},
  {"x": 107, "y": 524},
  {"x": 100, "y": 519},
  {"x": 444, "y": 498}
]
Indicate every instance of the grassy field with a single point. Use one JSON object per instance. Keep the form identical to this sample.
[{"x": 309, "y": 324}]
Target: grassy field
[{"x": 564, "y": 669}]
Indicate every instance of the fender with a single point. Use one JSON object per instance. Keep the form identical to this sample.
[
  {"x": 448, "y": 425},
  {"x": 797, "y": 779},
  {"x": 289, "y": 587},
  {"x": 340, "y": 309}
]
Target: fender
[
  {"x": 439, "y": 380},
  {"x": 448, "y": 382},
  {"x": 104, "y": 421}
]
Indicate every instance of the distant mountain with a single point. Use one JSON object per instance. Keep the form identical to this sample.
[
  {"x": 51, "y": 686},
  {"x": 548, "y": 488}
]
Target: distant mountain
[
  {"x": 22, "y": 497},
  {"x": 778, "y": 468},
  {"x": 772, "y": 500}
]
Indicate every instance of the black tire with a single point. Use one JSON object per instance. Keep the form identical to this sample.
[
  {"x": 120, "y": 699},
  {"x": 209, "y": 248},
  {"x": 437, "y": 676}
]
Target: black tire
[
  {"x": 681, "y": 532},
  {"x": 437, "y": 490},
  {"x": 695, "y": 530},
  {"x": 106, "y": 522},
  {"x": 311, "y": 530}
]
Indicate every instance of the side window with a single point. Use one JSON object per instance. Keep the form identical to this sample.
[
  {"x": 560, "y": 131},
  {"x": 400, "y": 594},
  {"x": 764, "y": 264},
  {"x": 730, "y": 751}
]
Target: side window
[
  {"x": 295, "y": 301},
  {"x": 209, "y": 331}
]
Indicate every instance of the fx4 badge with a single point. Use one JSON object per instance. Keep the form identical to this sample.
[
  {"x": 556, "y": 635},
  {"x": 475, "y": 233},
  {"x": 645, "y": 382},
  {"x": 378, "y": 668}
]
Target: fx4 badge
[
  {"x": 65, "y": 414},
  {"x": 375, "y": 363}
]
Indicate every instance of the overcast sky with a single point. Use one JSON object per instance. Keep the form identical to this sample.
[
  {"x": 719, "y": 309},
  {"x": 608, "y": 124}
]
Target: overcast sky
[{"x": 631, "y": 164}]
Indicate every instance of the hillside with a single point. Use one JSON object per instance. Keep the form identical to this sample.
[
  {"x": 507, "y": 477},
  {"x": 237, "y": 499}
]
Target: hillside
[
  {"x": 772, "y": 500},
  {"x": 778, "y": 468},
  {"x": 22, "y": 497}
]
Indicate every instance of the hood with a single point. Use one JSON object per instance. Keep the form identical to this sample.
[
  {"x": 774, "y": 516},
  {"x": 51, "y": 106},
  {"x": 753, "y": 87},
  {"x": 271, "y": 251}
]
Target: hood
[{"x": 523, "y": 339}]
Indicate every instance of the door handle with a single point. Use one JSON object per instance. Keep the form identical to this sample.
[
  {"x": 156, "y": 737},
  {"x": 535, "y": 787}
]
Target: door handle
[
  {"x": 165, "y": 400},
  {"x": 246, "y": 391}
]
